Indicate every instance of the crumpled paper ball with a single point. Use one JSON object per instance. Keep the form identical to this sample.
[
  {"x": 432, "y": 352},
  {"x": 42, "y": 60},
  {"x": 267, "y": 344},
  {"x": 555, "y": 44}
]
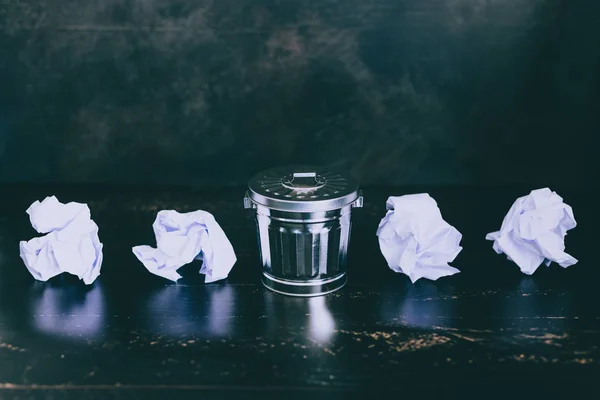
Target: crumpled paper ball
[
  {"x": 534, "y": 230},
  {"x": 184, "y": 237},
  {"x": 71, "y": 243},
  {"x": 415, "y": 240}
]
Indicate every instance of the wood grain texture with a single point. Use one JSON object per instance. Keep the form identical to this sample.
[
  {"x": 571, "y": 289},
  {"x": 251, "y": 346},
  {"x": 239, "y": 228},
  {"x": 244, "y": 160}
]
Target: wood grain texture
[{"x": 134, "y": 335}]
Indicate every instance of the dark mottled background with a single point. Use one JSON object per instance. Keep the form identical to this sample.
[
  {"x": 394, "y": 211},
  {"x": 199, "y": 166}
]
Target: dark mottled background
[{"x": 208, "y": 92}]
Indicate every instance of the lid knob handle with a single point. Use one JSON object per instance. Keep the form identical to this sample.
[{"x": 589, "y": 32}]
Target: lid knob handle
[{"x": 303, "y": 180}]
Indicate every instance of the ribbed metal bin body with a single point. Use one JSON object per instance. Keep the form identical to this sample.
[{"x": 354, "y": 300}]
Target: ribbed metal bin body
[{"x": 303, "y": 254}]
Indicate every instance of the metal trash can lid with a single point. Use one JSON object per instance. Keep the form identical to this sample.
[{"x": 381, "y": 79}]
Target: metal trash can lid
[{"x": 304, "y": 188}]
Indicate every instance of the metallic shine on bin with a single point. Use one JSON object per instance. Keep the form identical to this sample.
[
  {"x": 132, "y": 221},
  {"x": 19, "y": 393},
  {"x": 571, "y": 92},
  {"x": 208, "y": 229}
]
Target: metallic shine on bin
[{"x": 303, "y": 224}]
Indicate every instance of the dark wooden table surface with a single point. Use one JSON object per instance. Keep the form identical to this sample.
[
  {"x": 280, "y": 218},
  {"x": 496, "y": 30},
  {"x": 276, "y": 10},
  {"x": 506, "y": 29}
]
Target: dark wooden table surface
[{"x": 489, "y": 330}]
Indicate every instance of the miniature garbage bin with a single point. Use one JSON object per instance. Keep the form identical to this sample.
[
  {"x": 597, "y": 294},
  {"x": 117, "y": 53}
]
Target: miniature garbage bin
[{"x": 303, "y": 224}]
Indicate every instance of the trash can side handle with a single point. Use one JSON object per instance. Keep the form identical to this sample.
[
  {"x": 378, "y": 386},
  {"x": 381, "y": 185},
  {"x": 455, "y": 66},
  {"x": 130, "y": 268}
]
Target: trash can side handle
[{"x": 248, "y": 203}]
